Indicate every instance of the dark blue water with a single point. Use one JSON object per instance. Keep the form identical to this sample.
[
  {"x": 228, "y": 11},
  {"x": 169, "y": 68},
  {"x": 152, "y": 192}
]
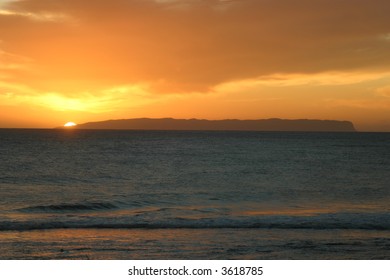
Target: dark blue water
[{"x": 321, "y": 183}]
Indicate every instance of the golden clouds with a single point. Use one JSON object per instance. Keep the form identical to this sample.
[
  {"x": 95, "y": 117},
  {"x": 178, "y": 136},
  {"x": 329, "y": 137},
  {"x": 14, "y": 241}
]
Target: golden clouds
[
  {"x": 315, "y": 79},
  {"x": 108, "y": 100},
  {"x": 198, "y": 47},
  {"x": 383, "y": 92},
  {"x": 72, "y": 55}
]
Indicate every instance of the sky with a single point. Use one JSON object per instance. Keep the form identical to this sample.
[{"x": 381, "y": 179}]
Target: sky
[{"x": 80, "y": 61}]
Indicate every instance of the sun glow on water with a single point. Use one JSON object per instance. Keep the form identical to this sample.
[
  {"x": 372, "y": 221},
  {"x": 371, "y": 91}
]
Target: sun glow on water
[{"x": 70, "y": 124}]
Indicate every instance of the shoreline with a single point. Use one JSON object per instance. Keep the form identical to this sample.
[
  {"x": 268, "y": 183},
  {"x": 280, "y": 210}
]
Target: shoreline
[{"x": 117, "y": 244}]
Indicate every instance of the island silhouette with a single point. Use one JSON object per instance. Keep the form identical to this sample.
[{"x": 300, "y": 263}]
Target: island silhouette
[{"x": 221, "y": 125}]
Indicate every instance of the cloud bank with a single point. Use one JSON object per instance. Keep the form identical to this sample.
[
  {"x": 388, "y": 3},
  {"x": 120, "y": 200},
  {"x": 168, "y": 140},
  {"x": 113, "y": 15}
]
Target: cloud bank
[{"x": 180, "y": 46}]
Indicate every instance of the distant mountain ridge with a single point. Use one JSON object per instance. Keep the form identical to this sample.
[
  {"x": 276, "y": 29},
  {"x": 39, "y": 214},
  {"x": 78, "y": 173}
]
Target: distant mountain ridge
[{"x": 228, "y": 124}]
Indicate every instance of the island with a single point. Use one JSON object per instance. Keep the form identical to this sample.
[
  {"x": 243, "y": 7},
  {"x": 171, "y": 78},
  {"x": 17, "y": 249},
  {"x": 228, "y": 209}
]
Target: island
[{"x": 221, "y": 125}]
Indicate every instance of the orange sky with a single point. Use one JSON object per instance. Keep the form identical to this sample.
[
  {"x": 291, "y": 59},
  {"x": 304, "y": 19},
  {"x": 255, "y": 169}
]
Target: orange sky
[{"x": 72, "y": 60}]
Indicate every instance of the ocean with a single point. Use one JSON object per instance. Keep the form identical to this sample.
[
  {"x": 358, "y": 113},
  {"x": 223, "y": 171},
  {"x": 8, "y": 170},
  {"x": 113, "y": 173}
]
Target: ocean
[{"x": 116, "y": 194}]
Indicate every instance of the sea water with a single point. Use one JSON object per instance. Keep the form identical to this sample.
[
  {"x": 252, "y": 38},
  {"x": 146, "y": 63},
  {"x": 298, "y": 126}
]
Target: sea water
[{"x": 111, "y": 194}]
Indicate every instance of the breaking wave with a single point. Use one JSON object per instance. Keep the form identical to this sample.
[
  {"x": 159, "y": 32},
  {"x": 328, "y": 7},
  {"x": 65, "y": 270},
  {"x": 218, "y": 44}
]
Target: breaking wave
[{"x": 64, "y": 207}]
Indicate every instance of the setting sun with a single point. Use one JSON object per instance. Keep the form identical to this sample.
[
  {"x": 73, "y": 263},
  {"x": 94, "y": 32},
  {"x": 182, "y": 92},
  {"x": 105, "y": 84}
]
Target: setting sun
[{"x": 70, "y": 124}]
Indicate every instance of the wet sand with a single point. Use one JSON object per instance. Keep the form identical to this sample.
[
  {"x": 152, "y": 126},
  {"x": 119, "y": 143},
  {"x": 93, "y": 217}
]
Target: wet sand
[{"x": 194, "y": 244}]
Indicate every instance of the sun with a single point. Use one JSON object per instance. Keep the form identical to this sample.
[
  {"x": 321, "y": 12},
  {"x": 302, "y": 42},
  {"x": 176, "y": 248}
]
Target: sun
[{"x": 70, "y": 124}]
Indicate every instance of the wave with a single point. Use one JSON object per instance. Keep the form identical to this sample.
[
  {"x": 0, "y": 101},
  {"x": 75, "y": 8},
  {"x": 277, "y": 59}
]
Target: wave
[
  {"x": 63, "y": 207},
  {"x": 345, "y": 221}
]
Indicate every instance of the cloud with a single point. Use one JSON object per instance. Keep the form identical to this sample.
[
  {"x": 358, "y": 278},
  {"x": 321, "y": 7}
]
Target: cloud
[
  {"x": 367, "y": 103},
  {"x": 9, "y": 61},
  {"x": 383, "y": 92},
  {"x": 122, "y": 97},
  {"x": 311, "y": 79},
  {"x": 35, "y": 16},
  {"x": 191, "y": 46}
]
